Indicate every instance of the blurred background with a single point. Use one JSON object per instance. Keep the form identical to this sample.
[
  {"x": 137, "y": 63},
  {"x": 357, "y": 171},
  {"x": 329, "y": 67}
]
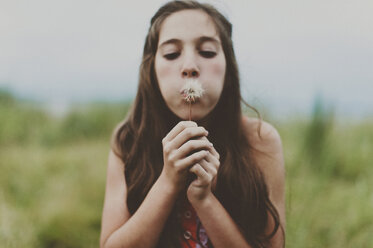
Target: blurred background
[{"x": 68, "y": 74}]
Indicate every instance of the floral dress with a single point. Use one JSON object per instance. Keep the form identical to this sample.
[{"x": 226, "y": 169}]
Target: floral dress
[{"x": 194, "y": 235}]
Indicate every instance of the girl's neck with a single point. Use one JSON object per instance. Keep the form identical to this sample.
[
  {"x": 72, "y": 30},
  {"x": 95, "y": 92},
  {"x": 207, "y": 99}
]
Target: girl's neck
[{"x": 204, "y": 123}]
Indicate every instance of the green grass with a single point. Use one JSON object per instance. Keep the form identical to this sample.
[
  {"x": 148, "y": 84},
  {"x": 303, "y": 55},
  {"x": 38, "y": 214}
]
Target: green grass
[
  {"x": 52, "y": 197},
  {"x": 53, "y": 172},
  {"x": 329, "y": 186}
]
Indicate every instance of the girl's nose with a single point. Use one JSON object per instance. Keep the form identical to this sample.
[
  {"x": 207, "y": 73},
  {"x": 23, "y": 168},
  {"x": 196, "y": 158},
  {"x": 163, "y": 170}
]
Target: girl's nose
[
  {"x": 190, "y": 68},
  {"x": 187, "y": 73}
]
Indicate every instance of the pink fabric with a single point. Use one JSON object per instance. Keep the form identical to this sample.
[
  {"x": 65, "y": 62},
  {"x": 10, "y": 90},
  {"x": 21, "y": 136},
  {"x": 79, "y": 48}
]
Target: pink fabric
[{"x": 190, "y": 221}]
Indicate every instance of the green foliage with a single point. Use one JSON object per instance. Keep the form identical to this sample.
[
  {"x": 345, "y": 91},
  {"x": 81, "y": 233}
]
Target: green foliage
[
  {"x": 68, "y": 230},
  {"x": 318, "y": 131},
  {"x": 6, "y": 98},
  {"x": 328, "y": 197},
  {"x": 93, "y": 121},
  {"x": 54, "y": 195},
  {"x": 53, "y": 172},
  {"x": 317, "y": 139},
  {"x": 22, "y": 123}
]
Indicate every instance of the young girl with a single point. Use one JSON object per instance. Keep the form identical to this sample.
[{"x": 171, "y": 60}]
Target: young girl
[{"x": 187, "y": 169}]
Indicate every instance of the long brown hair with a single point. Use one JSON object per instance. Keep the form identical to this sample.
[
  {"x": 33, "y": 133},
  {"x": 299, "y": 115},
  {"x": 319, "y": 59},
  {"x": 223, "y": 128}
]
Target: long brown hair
[{"x": 241, "y": 187}]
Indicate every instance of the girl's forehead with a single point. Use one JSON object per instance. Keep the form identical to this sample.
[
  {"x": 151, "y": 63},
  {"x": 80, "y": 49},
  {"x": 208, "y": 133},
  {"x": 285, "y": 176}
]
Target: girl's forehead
[{"x": 187, "y": 24}]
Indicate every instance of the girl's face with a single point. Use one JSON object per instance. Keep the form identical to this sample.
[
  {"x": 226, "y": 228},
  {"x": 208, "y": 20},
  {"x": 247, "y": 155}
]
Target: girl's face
[{"x": 189, "y": 47}]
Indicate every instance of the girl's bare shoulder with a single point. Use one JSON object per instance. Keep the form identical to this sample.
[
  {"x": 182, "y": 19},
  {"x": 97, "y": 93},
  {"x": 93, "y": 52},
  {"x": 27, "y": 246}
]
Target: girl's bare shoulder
[
  {"x": 268, "y": 154},
  {"x": 262, "y": 135}
]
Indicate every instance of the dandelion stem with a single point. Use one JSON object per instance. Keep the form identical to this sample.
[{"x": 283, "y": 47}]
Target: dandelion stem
[{"x": 190, "y": 111}]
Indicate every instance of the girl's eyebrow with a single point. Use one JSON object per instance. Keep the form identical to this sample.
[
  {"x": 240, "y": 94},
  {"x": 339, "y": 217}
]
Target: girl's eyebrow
[
  {"x": 204, "y": 39},
  {"x": 170, "y": 41},
  {"x": 198, "y": 41}
]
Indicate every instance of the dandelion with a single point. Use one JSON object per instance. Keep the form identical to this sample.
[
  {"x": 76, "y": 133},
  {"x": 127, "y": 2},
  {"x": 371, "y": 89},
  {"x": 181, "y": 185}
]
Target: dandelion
[{"x": 191, "y": 91}]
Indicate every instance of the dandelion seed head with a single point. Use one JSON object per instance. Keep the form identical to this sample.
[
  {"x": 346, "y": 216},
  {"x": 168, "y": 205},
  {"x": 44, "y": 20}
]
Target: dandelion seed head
[{"x": 192, "y": 90}]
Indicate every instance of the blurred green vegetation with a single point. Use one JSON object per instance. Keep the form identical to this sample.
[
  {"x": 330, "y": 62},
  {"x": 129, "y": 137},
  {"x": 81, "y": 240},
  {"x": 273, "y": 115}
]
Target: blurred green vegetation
[
  {"x": 52, "y": 176},
  {"x": 25, "y": 123}
]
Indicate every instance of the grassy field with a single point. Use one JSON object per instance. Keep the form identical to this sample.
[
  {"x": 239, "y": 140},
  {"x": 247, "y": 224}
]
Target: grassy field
[{"x": 52, "y": 176}]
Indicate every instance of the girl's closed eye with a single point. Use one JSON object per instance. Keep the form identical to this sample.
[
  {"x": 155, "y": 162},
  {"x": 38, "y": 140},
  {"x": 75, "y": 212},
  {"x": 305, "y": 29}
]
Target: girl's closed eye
[
  {"x": 171, "y": 56},
  {"x": 207, "y": 54}
]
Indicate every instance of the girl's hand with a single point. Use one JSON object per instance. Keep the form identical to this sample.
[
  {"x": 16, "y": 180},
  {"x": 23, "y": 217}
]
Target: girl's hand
[
  {"x": 206, "y": 171},
  {"x": 181, "y": 151}
]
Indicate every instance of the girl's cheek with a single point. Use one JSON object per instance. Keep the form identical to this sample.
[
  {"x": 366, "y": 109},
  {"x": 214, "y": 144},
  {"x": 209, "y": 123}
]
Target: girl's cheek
[
  {"x": 218, "y": 68},
  {"x": 167, "y": 80},
  {"x": 163, "y": 71}
]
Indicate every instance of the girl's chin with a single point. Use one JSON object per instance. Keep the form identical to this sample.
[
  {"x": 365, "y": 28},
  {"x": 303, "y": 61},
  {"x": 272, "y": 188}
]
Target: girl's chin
[
  {"x": 195, "y": 115},
  {"x": 198, "y": 111}
]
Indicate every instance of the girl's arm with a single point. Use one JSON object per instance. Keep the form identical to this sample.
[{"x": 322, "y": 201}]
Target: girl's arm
[
  {"x": 271, "y": 162},
  {"x": 143, "y": 229},
  {"x": 220, "y": 227}
]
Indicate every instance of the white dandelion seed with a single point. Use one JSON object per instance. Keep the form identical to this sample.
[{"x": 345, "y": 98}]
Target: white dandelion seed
[{"x": 192, "y": 90}]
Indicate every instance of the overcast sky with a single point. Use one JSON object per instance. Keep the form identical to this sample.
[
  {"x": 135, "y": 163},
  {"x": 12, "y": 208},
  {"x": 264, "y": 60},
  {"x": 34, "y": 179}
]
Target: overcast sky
[{"x": 62, "y": 51}]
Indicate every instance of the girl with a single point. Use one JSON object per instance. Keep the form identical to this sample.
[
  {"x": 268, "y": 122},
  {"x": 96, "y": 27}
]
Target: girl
[{"x": 186, "y": 168}]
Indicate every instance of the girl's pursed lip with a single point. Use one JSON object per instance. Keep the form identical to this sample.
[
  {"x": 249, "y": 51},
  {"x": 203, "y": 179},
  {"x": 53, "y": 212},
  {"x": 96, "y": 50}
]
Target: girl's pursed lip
[{"x": 196, "y": 100}]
